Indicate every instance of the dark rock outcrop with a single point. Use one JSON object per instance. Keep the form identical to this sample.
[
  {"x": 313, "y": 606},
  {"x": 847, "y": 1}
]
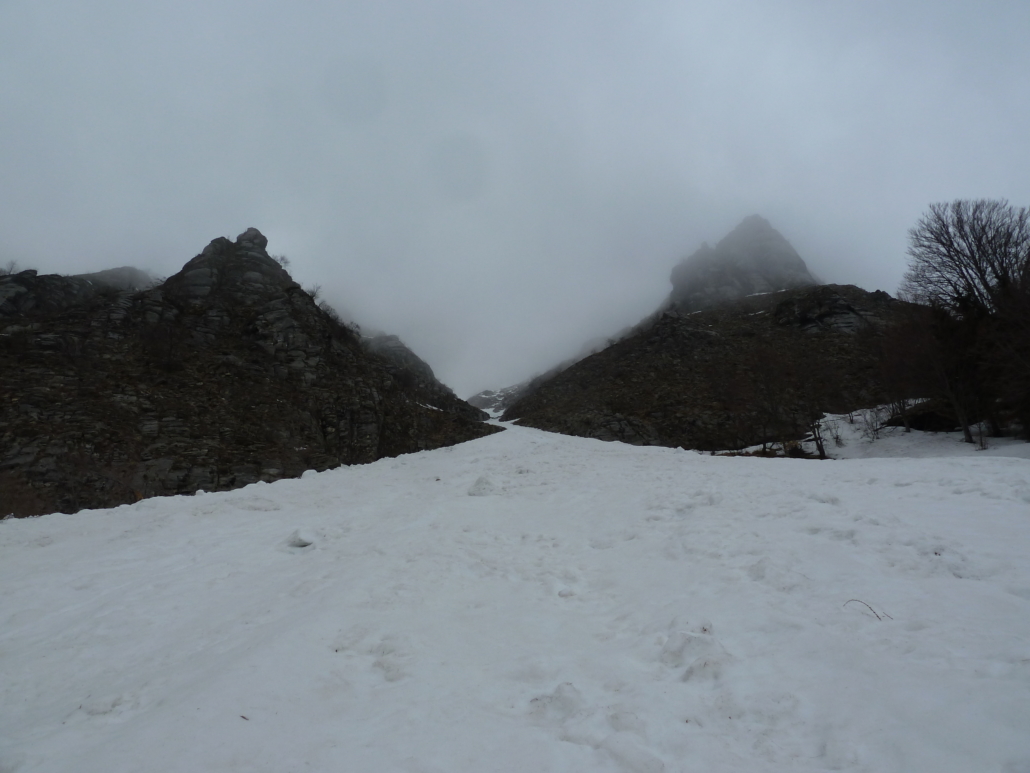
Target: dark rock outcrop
[
  {"x": 753, "y": 258},
  {"x": 226, "y": 374},
  {"x": 757, "y": 369}
]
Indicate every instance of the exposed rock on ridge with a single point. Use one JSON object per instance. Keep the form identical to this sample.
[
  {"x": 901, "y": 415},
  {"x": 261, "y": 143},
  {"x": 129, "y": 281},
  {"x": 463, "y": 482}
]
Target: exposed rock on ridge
[{"x": 226, "y": 374}]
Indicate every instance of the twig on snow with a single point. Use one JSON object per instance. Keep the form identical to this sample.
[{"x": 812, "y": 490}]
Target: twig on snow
[{"x": 869, "y": 608}]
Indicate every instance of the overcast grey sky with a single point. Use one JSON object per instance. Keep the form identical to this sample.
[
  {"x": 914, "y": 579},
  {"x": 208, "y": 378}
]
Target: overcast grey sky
[{"x": 497, "y": 182}]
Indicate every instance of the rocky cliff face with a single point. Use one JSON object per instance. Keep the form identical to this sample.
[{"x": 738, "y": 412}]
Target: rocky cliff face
[
  {"x": 226, "y": 374},
  {"x": 752, "y": 258},
  {"x": 753, "y": 370},
  {"x": 408, "y": 368}
]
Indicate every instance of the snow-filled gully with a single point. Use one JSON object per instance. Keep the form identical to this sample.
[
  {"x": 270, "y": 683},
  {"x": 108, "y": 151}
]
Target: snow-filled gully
[{"x": 533, "y": 602}]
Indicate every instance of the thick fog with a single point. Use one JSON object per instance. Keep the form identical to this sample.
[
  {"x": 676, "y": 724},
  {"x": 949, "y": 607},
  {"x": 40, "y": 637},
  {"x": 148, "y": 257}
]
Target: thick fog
[{"x": 499, "y": 182}]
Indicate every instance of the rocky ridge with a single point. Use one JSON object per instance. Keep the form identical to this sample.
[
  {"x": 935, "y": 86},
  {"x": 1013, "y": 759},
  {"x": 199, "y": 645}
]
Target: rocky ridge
[
  {"x": 758, "y": 369},
  {"x": 226, "y": 374}
]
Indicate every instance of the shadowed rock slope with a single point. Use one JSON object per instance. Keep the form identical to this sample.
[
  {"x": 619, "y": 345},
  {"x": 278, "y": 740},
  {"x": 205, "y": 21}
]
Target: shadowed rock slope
[
  {"x": 410, "y": 370},
  {"x": 752, "y": 370},
  {"x": 226, "y": 374}
]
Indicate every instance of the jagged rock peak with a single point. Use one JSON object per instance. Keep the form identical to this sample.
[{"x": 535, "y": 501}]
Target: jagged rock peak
[
  {"x": 253, "y": 236},
  {"x": 251, "y": 240},
  {"x": 243, "y": 269},
  {"x": 753, "y": 258}
]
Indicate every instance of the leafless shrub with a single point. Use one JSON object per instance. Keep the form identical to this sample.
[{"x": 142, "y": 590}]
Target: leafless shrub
[
  {"x": 831, "y": 427},
  {"x": 871, "y": 421},
  {"x": 981, "y": 436}
]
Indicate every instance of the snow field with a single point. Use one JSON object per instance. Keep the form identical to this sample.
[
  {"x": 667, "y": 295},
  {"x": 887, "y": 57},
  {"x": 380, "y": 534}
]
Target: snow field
[{"x": 530, "y": 601}]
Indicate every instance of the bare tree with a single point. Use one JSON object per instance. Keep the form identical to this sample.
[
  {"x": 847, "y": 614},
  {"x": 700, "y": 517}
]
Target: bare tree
[
  {"x": 970, "y": 261},
  {"x": 969, "y": 256}
]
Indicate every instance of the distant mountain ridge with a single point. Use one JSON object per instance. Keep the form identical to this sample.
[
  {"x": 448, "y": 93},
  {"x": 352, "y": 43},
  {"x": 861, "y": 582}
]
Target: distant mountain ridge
[
  {"x": 123, "y": 278},
  {"x": 496, "y": 401}
]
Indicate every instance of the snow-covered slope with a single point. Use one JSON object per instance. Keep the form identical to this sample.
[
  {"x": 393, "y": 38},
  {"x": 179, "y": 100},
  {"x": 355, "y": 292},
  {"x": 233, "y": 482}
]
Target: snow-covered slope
[{"x": 532, "y": 602}]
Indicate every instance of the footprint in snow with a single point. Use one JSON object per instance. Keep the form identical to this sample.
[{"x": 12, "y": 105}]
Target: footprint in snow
[
  {"x": 776, "y": 577},
  {"x": 705, "y": 658},
  {"x": 110, "y": 707},
  {"x": 703, "y": 655},
  {"x": 625, "y": 749},
  {"x": 557, "y": 707},
  {"x": 566, "y": 709},
  {"x": 258, "y": 504},
  {"x": 391, "y": 655}
]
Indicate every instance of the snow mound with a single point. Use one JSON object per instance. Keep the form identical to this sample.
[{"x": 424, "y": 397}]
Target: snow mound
[{"x": 482, "y": 487}]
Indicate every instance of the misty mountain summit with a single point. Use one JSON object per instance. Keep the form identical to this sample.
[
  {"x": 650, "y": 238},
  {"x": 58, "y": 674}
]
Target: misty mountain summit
[
  {"x": 752, "y": 258},
  {"x": 748, "y": 349}
]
